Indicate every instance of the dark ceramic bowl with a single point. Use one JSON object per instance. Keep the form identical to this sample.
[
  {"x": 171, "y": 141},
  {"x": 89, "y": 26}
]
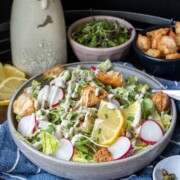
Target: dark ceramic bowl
[{"x": 168, "y": 69}]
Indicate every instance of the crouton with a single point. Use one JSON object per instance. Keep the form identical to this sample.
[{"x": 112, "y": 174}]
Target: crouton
[
  {"x": 155, "y": 41},
  {"x": 92, "y": 95},
  {"x": 158, "y": 32},
  {"x": 161, "y": 101},
  {"x": 167, "y": 45},
  {"x": 53, "y": 71},
  {"x": 143, "y": 42},
  {"x": 177, "y": 40},
  {"x": 114, "y": 79},
  {"x": 24, "y": 105},
  {"x": 177, "y": 27},
  {"x": 173, "y": 56},
  {"x": 103, "y": 155},
  {"x": 154, "y": 53},
  {"x": 172, "y": 34}
]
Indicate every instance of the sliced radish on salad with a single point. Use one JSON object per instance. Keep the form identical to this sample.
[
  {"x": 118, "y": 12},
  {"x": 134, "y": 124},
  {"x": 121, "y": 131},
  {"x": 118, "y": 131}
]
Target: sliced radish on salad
[
  {"x": 65, "y": 151},
  {"x": 151, "y": 132},
  {"x": 93, "y": 68},
  {"x": 27, "y": 125},
  {"x": 121, "y": 148},
  {"x": 55, "y": 95}
]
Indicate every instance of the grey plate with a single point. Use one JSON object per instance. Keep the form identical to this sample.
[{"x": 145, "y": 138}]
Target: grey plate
[{"x": 106, "y": 170}]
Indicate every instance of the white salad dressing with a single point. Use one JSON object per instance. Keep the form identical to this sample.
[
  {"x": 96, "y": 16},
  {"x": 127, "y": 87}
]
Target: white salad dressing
[
  {"x": 60, "y": 81},
  {"x": 97, "y": 91},
  {"x": 70, "y": 133},
  {"x": 76, "y": 138},
  {"x": 111, "y": 106},
  {"x": 64, "y": 123},
  {"x": 29, "y": 90},
  {"x": 44, "y": 124}
]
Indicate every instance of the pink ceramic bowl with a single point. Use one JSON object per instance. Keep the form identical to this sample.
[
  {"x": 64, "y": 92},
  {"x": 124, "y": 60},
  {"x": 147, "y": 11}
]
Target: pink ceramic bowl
[{"x": 85, "y": 53}]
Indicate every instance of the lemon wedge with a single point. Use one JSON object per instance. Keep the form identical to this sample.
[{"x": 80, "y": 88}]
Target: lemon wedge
[
  {"x": 10, "y": 71},
  {"x": 108, "y": 125},
  {"x": 132, "y": 114},
  {"x": 9, "y": 86},
  {"x": 4, "y": 103},
  {"x": 2, "y": 75}
]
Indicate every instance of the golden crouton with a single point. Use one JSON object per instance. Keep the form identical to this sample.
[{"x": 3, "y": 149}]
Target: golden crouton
[
  {"x": 173, "y": 56},
  {"x": 24, "y": 105},
  {"x": 161, "y": 101},
  {"x": 114, "y": 79},
  {"x": 172, "y": 34},
  {"x": 103, "y": 155},
  {"x": 177, "y": 27},
  {"x": 155, "y": 41},
  {"x": 154, "y": 53},
  {"x": 177, "y": 39},
  {"x": 91, "y": 95},
  {"x": 53, "y": 71},
  {"x": 143, "y": 42},
  {"x": 158, "y": 32},
  {"x": 167, "y": 45}
]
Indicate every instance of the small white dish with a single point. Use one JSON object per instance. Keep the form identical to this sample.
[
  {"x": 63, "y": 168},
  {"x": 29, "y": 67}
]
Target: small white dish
[{"x": 171, "y": 164}]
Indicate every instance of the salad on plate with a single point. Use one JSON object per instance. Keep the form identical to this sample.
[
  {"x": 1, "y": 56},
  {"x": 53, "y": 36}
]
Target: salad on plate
[{"x": 90, "y": 115}]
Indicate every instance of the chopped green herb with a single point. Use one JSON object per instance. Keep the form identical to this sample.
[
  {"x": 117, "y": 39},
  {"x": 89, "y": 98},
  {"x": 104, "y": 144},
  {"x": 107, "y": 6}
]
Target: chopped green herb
[
  {"x": 106, "y": 116},
  {"x": 130, "y": 118},
  {"x": 99, "y": 130}
]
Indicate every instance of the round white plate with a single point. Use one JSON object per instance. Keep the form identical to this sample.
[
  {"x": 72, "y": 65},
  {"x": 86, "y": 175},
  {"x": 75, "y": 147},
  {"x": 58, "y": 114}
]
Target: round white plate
[{"x": 171, "y": 164}]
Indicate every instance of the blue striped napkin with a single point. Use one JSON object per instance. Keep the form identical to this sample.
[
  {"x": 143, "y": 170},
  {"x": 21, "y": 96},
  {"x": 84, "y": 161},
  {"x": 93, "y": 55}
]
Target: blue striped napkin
[{"x": 15, "y": 166}]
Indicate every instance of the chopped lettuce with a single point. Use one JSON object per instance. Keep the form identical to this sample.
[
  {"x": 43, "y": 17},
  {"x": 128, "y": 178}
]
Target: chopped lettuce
[
  {"x": 148, "y": 108},
  {"x": 35, "y": 83},
  {"x": 105, "y": 66},
  {"x": 49, "y": 142},
  {"x": 79, "y": 157}
]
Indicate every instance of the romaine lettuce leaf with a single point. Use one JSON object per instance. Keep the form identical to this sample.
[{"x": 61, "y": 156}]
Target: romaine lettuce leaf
[{"x": 49, "y": 142}]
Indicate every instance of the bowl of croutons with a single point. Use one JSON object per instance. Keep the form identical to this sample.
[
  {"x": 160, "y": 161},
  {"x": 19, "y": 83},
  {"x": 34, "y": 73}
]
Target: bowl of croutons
[
  {"x": 96, "y": 38},
  {"x": 158, "y": 49}
]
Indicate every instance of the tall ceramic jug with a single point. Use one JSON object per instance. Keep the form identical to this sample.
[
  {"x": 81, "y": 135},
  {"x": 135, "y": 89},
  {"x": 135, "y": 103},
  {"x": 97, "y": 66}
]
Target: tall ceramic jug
[{"x": 38, "y": 35}]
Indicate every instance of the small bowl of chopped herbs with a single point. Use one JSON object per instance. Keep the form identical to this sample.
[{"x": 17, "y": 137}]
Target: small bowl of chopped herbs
[{"x": 97, "y": 38}]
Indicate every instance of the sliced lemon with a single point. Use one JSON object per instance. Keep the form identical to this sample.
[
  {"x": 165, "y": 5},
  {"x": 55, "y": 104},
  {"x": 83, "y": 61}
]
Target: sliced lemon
[
  {"x": 108, "y": 125},
  {"x": 2, "y": 75},
  {"x": 9, "y": 86},
  {"x": 10, "y": 71},
  {"x": 4, "y": 103},
  {"x": 132, "y": 114}
]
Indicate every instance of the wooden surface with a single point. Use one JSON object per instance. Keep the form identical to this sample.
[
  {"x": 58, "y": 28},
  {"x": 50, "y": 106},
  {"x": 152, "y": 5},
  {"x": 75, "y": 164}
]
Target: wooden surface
[{"x": 3, "y": 113}]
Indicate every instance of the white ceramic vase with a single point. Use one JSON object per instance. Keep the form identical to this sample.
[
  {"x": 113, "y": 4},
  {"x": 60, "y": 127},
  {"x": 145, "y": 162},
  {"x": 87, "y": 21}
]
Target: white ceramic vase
[{"x": 38, "y": 35}]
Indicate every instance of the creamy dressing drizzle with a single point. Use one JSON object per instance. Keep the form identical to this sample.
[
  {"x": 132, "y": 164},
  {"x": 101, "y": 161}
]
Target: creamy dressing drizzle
[
  {"x": 76, "y": 138},
  {"x": 111, "y": 106}
]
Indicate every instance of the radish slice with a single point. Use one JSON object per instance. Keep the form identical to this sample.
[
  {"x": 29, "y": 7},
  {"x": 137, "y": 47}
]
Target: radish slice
[
  {"x": 93, "y": 68},
  {"x": 65, "y": 150},
  {"x": 27, "y": 125},
  {"x": 116, "y": 102},
  {"x": 120, "y": 148},
  {"x": 55, "y": 95},
  {"x": 151, "y": 132}
]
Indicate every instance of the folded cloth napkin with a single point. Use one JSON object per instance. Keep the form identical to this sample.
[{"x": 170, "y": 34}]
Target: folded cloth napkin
[{"x": 14, "y": 165}]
